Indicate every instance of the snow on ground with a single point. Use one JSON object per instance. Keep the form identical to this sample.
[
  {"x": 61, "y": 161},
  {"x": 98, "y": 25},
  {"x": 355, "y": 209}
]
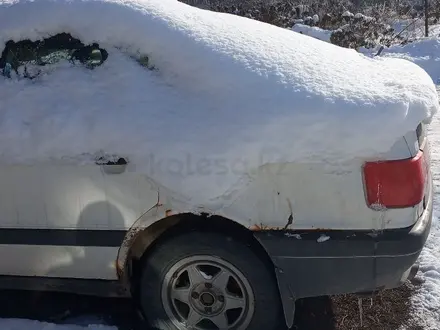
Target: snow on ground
[
  {"x": 19, "y": 324},
  {"x": 227, "y": 89},
  {"x": 426, "y": 301},
  {"x": 414, "y": 28}
]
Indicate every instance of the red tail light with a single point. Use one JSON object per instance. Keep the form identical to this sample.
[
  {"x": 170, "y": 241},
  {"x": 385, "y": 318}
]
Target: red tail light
[{"x": 395, "y": 183}]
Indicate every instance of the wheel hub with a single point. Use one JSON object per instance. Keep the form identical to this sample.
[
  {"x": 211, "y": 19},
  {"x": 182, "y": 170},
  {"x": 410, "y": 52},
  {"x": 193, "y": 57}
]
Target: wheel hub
[{"x": 207, "y": 299}]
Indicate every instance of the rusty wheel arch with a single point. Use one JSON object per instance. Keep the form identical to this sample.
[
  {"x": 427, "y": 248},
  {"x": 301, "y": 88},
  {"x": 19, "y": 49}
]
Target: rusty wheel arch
[{"x": 140, "y": 240}]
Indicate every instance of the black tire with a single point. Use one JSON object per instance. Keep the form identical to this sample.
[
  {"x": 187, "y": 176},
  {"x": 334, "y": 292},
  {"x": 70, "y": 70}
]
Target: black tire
[{"x": 267, "y": 311}]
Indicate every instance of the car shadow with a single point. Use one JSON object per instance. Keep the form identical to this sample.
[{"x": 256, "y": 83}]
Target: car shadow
[
  {"x": 92, "y": 256},
  {"x": 320, "y": 313},
  {"x": 314, "y": 313},
  {"x": 66, "y": 308}
]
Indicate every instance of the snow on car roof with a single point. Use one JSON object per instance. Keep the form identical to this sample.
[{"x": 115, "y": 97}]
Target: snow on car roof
[{"x": 227, "y": 95}]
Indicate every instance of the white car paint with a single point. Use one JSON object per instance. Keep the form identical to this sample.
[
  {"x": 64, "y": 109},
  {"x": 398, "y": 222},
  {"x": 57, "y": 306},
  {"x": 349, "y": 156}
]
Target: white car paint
[
  {"x": 81, "y": 262},
  {"x": 91, "y": 197}
]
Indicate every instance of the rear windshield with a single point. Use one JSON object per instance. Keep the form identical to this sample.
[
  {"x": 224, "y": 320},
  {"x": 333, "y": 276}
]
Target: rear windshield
[{"x": 19, "y": 57}]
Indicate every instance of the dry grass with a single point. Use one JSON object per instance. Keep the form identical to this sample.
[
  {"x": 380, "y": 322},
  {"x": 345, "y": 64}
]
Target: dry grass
[{"x": 387, "y": 310}]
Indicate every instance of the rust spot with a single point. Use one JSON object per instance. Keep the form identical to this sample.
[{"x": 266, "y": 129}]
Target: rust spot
[
  {"x": 255, "y": 228},
  {"x": 261, "y": 227},
  {"x": 131, "y": 236},
  {"x": 119, "y": 271},
  {"x": 168, "y": 213}
]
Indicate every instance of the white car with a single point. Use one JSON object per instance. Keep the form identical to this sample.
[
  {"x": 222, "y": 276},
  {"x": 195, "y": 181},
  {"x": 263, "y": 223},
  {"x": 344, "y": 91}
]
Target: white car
[{"x": 295, "y": 230}]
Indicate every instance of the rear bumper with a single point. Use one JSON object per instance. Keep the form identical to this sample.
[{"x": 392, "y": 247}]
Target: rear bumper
[{"x": 347, "y": 262}]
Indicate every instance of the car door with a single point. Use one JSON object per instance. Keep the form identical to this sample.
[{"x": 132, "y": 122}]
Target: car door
[
  {"x": 62, "y": 218},
  {"x": 68, "y": 220}
]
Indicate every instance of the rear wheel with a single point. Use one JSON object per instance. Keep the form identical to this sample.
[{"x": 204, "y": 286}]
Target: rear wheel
[{"x": 205, "y": 281}]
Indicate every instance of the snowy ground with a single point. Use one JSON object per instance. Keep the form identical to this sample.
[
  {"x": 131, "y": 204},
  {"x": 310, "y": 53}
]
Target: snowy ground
[
  {"x": 17, "y": 324},
  {"x": 426, "y": 302}
]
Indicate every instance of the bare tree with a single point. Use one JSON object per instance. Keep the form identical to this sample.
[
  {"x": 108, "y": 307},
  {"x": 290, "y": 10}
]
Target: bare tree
[{"x": 426, "y": 18}]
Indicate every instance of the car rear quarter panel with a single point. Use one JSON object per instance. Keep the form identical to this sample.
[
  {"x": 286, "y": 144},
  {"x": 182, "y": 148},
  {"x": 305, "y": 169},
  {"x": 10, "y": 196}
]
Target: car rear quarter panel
[
  {"x": 294, "y": 196},
  {"x": 319, "y": 196}
]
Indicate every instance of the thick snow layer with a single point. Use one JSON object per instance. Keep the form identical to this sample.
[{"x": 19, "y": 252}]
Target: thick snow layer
[
  {"x": 313, "y": 31},
  {"x": 424, "y": 52},
  {"x": 229, "y": 94}
]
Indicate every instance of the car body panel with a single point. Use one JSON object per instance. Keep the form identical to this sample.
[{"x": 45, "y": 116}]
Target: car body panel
[
  {"x": 71, "y": 198},
  {"x": 81, "y": 262}
]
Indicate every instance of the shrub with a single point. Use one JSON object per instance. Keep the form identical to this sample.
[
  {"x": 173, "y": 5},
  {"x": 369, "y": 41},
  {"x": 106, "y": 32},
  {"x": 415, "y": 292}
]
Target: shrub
[{"x": 362, "y": 31}]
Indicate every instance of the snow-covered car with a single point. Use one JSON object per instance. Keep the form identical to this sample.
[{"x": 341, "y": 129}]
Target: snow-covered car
[{"x": 214, "y": 167}]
